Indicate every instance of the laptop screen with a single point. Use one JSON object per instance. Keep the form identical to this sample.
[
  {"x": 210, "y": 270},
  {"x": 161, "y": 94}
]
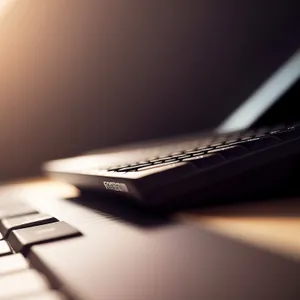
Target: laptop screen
[{"x": 283, "y": 85}]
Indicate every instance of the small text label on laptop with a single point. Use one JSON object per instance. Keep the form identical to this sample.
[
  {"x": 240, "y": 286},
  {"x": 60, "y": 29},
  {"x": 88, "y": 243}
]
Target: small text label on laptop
[{"x": 115, "y": 186}]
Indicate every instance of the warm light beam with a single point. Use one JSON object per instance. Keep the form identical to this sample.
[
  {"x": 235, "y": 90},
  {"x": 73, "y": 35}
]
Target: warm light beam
[{"x": 4, "y": 4}]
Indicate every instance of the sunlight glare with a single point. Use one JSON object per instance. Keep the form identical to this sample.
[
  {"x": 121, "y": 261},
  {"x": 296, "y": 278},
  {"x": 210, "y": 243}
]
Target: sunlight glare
[{"x": 4, "y": 5}]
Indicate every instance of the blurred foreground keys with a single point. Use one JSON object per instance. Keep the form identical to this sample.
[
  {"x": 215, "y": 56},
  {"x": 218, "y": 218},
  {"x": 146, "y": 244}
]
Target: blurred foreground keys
[
  {"x": 22, "y": 284},
  {"x": 4, "y": 248},
  {"x": 12, "y": 263},
  {"x": 41, "y": 296},
  {"x": 15, "y": 209}
]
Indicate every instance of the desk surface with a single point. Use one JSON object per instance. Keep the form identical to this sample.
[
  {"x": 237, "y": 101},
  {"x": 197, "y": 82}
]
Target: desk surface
[{"x": 273, "y": 225}]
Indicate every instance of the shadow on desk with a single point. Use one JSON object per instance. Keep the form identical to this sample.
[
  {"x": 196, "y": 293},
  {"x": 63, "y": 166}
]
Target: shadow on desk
[
  {"x": 269, "y": 224},
  {"x": 120, "y": 209}
]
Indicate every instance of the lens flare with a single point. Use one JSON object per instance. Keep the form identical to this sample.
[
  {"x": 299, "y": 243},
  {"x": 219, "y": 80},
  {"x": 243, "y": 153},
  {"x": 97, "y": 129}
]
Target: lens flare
[{"x": 4, "y": 5}]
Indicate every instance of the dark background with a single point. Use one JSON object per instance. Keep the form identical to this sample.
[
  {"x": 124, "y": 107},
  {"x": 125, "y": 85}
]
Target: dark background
[{"x": 79, "y": 75}]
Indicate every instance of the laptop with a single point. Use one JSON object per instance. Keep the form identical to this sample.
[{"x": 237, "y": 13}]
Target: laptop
[
  {"x": 255, "y": 147},
  {"x": 101, "y": 244}
]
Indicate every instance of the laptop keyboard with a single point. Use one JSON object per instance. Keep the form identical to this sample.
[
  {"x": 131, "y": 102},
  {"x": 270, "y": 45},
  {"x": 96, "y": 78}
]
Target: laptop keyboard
[
  {"x": 21, "y": 227},
  {"x": 221, "y": 148}
]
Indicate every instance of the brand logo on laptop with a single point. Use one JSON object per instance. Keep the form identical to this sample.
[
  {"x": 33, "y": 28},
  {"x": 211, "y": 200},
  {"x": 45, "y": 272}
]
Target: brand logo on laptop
[{"x": 115, "y": 186}]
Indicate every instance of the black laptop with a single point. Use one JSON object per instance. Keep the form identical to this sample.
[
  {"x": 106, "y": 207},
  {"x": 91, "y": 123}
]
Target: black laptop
[
  {"x": 253, "y": 151},
  {"x": 96, "y": 246}
]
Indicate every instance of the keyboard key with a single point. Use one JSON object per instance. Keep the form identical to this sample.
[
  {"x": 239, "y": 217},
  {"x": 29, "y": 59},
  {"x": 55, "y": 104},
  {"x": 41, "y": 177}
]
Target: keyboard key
[
  {"x": 171, "y": 164},
  {"x": 202, "y": 149},
  {"x": 197, "y": 153},
  {"x": 51, "y": 295},
  {"x": 13, "y": 263},
  {"x": 15, "y": 209},
  {"x": 288, "y": 134},
  {"x": 206, "y": 160},
  {"x": 4, "y": 248},
  {"x": 134, "y": 167},
  {"x": 183, "y": 156},
  {"x": 22, "y": 239},
  {"x": 177, "y": 153},
  {"x": 7, "y": 225},
  {"x": 216, "y": 144},
  {"x": 158, "y": 175},
  {"x": 1, "y": 236},
  {"x": 230, "y": 152},
  {"x": 231, "y": 141},
  {"x": 155, "y": 159},
  {"x": 256, "y": 144},
  {"x": 22, "y": 284},
  {"x": 170, "y": 160}
]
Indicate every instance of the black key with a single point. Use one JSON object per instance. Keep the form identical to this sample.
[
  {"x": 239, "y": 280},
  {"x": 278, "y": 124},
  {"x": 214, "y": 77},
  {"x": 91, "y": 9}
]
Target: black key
[
  {"x": 288, "y": 134},
  {"x": 156, "y": 166},
  {"x": 133, "y": 167},
  {"x": 206, "y": 160},
  {"x": 4, "y": 248},
  {"x": 247, "y": 137},
  {"x": 15, "y": 209},
  {"x": 21, "y": 284},
  {"x": 230, "y": 152},
  {"x": 22, "y": 239},
  {"x": 7, "y": 225},
  {"x": 294, "y": 126},
  {"x": 231, "y": 141},
  {"x": 114, "y": 169},
  {"x": 183, "y": 156},
  {"x": 216, "y": 144},
  {"x": 13, "y": 263},
  {"x": 170, "y": 160},
  {"x": 177, "y": 153},
  {"x": 162, "y": 174},
  {"x": 197, "y": 153},
  {"x": 155, "y": 160},
  {"x": 260, "y": 135},
  {"x": 190, "y": 150},
  {"x": 206, "y": 148},
  {"x": 258, "y": 143},
  {"x": 164, "y": 156},
  {"x": 117, "y": 168}
]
